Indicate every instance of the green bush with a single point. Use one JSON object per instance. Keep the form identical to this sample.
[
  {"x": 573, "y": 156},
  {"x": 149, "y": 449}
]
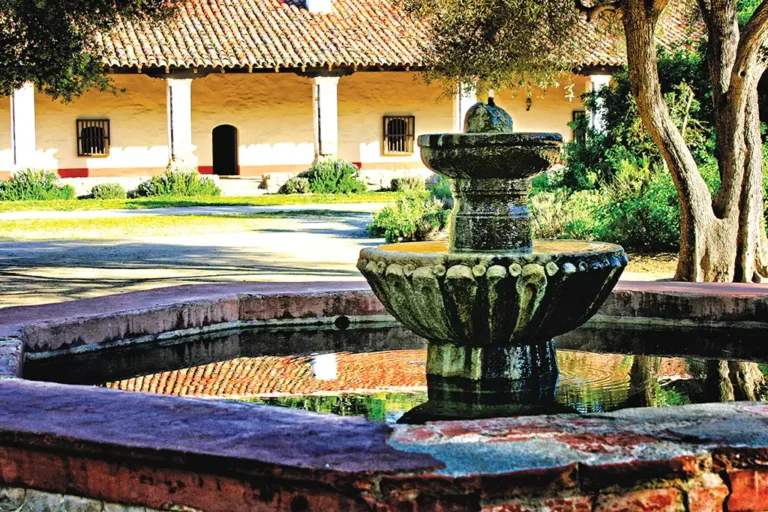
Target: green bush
[
  {"x": 641, "y": 211},
  {"x": 415, "y": 216},
  {"x": 565, "y": 214},
  {"x": 440, "y": 189},
  {"x": 295, "y": 185},
  {"x": 334, "y": 176},
  {"x": 638, "y": 210},
  {"x": 178, "y": 182},
  {"x": 35, "y": 185},
  {"x": 108, "y": 191},
  {"x": 407, "y": 183}
]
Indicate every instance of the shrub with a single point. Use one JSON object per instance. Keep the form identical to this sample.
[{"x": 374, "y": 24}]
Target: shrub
[
  {"x": 407, "y": 183},
  {"x": 108, "y": 191},
  {"x": 295, "y": 185},
  {"x": 440, "y": 189},
  {"x": 334, "y": 177},
  {"x": 178, "y": 182},
  {"x": 638, "y": 210},
  {"x": 31, "y": 185},
  {"x": 641, "y": 211},
  {"x": 415, "y": 216},
  {"x": 564, "y": 214}
]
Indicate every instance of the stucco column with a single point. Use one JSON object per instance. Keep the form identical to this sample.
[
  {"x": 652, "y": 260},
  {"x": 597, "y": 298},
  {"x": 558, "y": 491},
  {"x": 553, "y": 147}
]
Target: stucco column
[
  {"x": 464, "y": 99},
  {"x": 23, "y": 136},
  {"x": 326, "y": 115},
  {"x": 179, "y": 105},
  {"x": 598, "y": 83}
]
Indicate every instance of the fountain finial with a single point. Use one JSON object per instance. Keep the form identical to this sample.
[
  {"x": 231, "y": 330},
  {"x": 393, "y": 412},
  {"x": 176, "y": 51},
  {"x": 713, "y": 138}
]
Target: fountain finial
[{"x": 487, "y": 118}]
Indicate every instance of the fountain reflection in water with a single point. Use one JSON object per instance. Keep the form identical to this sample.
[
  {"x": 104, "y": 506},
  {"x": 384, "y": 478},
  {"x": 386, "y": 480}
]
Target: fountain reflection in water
[{"x": 491, "y": 300}]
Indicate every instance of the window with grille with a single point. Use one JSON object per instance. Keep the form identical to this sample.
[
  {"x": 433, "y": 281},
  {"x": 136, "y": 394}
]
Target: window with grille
[
  {"x": 93, "y": 137},
  {"x": 399, "y": 135},
  {"x": 579, "y": 126}
]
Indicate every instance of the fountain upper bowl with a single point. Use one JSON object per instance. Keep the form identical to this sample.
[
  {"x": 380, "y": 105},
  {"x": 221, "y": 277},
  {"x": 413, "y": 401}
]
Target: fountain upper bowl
[{"x": 490, "y": 155}]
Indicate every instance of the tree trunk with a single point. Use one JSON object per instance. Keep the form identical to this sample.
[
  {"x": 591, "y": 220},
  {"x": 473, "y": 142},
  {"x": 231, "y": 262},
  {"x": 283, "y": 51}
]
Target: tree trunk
[
  {"x": 748, "y": 380},
  {"x": 722, "y": 239},
  {"x": 728, "y": 381},
  {"x": 644, "y": 381},
  {"x": 719, "y": 387}
]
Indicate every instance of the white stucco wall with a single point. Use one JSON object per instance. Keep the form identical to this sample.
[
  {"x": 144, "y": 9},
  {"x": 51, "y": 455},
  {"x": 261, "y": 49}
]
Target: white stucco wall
[
  {"x": 137, "y": 122},
  {"x": 273, "y": 115},
  {"x": 271, "y": 111},
  {"x": 365, "y": 98},
  {"x": 6, "y": 151},
  {"x": 551, "y": 111}
]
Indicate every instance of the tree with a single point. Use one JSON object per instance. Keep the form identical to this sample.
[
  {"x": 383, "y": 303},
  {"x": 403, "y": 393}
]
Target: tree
[
  {"x": 55, "y": 43},
  {"x": 734, "y": 380},
  {"x": 722, "y": 236}
]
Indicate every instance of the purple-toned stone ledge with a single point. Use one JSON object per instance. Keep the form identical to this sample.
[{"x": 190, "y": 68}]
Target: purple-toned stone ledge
[
  {"x": 11, "y": 357},
  {"x": 163, "y": 452}
]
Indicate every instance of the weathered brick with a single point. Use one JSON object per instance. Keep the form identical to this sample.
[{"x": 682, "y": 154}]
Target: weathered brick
[
  {"x": 651, "y": 500},
  {"x": 575, "y": 504},
  {"x": 749, "y": 491},
  {"x": 710, "y": 499},
  {"x": 11, "y": 498}
]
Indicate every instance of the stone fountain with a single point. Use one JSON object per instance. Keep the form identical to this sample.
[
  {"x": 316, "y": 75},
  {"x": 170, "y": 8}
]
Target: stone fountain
[{"x": 490, "y": 300}]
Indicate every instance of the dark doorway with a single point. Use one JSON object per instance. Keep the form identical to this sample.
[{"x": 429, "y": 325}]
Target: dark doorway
[{"x": 225, "y": 151}]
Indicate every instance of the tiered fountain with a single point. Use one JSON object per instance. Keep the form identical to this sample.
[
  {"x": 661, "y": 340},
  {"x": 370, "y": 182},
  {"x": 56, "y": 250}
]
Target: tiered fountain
[{"x": 490, "y": 300}]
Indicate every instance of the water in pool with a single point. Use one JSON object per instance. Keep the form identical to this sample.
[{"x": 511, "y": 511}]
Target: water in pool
[{"x": 379, "y": 371}]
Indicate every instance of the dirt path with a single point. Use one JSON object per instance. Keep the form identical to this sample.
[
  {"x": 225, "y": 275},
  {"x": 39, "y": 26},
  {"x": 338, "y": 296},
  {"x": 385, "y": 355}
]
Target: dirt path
[{"x": 283, "y": 249}]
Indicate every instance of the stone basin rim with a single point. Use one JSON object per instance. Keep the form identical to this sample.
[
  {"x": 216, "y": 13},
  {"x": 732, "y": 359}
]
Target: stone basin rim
[
  {"x": 521, "y": 139},
  {"x": 440, "y": 249}
]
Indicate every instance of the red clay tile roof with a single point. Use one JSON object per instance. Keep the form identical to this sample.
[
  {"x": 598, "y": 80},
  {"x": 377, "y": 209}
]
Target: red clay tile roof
[
  {"x": 267, "y": 34},
  {"x": 272, "y": 376},
  {"x": 270, "y": 33}
]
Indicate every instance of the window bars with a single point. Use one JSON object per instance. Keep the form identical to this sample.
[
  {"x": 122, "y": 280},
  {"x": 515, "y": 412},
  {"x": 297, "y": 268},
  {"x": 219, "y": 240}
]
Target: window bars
[
  {"x": 399, "y": 135},
  {"x": 93, "y": 137}
]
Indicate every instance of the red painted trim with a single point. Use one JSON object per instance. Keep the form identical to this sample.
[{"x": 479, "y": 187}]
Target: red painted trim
[
  {"x": 359, "y": 165},
  {"x": 208, "y": 169},
  {"x": 73, "y": 173}
]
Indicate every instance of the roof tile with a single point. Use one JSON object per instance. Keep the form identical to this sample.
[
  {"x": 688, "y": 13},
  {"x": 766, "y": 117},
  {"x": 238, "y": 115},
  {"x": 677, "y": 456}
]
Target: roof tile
[{"x": 266, "y": 34}]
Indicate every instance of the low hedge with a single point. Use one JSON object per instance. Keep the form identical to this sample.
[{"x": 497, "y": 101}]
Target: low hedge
[{"x": 35, "y": 185}]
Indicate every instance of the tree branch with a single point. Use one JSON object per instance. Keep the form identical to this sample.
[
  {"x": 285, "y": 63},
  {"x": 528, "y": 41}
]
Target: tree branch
[
  {"x": 705, "y": 6},
  {"x": 596, "y": 10},
  {"x": 753, "y": 37}
]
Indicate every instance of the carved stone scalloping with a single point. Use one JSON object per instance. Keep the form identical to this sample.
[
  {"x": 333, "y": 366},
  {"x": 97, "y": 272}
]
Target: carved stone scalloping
[{"x": 483, "y": 299}]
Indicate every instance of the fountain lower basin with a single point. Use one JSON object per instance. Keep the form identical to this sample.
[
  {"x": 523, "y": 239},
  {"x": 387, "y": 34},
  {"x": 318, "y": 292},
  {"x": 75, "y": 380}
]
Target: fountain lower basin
[
  {"x": 483, "y": 299},
  {"x": 491, "y": 318}
]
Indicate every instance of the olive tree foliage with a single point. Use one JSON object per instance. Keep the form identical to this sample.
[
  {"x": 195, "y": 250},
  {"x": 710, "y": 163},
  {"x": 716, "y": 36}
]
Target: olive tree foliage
[
  {"x": 478, "y": 42},
  {"x": 54, "y": 43},
  {"x": 722, "y": 234}
]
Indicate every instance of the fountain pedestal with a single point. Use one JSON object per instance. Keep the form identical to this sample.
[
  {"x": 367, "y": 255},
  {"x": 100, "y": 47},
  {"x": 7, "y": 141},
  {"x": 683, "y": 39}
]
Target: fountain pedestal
[{"x": 491, "y": 299}]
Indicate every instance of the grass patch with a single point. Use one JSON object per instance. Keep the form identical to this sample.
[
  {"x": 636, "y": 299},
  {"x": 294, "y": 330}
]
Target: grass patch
[
  {"x": 115, "y": 228},
  {"x": 180, "y": 202}
]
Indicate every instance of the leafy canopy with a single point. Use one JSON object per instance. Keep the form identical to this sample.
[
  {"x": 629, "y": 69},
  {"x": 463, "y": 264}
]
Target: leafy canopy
[
  {"x": 55, "y": 43},
  {"x": 483, "y": 41}
]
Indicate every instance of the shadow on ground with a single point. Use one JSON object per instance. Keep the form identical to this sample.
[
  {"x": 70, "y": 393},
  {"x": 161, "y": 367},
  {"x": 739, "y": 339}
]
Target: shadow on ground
[{"x": 314, "y": 249}]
